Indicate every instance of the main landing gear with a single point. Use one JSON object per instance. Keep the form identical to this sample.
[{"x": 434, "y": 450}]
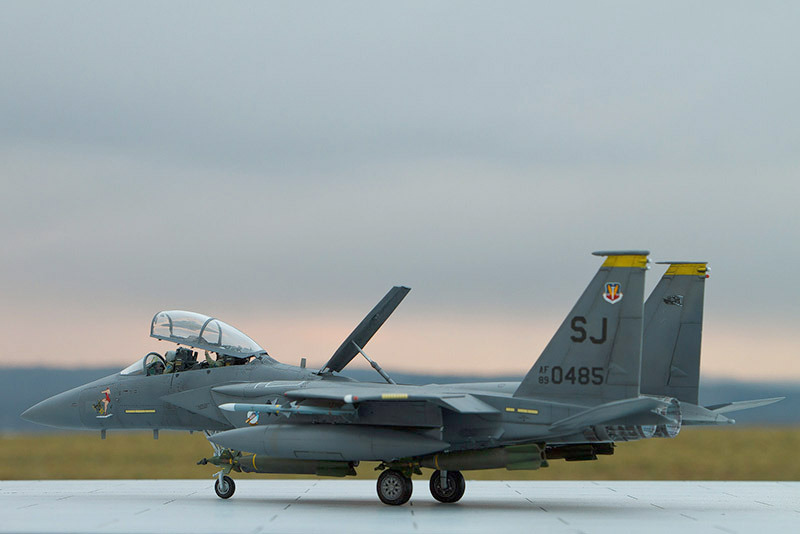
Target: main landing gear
[
  {"x": 447, "y": 486},
  {"x": 395, "y": 487}
]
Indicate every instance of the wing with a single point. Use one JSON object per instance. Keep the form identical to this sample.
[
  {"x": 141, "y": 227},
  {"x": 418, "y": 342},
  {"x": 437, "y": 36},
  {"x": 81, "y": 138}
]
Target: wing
[{"x": 742, "y": 405}]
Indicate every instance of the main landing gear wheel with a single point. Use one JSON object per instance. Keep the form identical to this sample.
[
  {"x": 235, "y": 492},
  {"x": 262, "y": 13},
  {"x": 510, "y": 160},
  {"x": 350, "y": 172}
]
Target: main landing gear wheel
[
  {"x": 455, "y": 486},
  {"x": 224, "y": 487},
  {"x": 394, "y": 488}
]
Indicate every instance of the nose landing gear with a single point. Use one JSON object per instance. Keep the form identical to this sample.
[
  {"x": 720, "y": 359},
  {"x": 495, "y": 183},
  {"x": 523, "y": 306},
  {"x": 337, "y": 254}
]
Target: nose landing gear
[
  {"x": 224, "y": 487},
  {"x": 228, "y": 460}
]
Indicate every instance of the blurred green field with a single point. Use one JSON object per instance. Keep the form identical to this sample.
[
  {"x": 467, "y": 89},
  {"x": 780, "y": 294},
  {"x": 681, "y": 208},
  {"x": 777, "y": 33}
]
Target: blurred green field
[{"x": 696, "y": 454}]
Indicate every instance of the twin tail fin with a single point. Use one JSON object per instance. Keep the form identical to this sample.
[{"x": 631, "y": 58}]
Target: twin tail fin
[{"x": 595, "y": 355}]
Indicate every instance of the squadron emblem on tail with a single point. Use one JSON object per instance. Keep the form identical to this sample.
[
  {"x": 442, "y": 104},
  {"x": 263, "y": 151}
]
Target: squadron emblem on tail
[{"x": 613, "y": 293}]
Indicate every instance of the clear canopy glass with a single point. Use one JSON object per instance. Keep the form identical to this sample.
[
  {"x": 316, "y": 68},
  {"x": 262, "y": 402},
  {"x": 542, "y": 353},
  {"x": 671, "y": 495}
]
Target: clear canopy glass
[{"x": 202, "y": 332}]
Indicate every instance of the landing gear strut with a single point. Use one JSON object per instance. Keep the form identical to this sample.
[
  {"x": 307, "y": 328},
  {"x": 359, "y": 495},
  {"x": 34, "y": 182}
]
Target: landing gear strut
[
  {"x": 224, "y": 487},
  {"x": 229, "y": 461},
  {"x": 394, "y": 488},
  {"x": 447, "y": 486}
]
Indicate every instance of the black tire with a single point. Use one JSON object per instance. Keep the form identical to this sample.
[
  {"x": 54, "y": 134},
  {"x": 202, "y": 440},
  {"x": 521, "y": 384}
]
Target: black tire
[
  {"x": 409, "y": 489},
  {"x": 226, "y": 488},
  {"x": 455, "y": 487},
  {"x": 394, "y": 488}
]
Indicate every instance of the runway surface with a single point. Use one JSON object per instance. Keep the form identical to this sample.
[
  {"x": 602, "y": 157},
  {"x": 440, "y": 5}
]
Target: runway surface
[{"x": 328, "y": 506}]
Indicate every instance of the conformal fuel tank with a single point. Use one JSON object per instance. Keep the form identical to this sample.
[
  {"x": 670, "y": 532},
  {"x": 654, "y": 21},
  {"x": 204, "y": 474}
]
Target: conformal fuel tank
[{"x": 329, "y": 442}]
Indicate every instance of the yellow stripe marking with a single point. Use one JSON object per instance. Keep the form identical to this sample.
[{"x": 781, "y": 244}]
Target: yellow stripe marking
[
  {"x": 140, "y": 411},
  {"x": 394, "y": 396},
  {"x": 509, "y": 409},
  {"x": 626, "y": 261},
  {"x": 686, "y": 269},
  {"x": 254, "y": 463},
  {"x": 524, "y": 410}
]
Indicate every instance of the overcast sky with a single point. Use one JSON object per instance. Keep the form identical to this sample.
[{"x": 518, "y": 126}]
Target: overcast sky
[{"x": 280, "y": 166}]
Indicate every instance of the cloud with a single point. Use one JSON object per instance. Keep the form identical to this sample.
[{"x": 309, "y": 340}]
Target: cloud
[{"x": 281, "y": 159}]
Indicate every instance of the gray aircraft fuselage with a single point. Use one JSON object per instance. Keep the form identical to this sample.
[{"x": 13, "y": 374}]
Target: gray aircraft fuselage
[
  {"x": 188, "y": 401},
  {"x": 136, "y": 402}
]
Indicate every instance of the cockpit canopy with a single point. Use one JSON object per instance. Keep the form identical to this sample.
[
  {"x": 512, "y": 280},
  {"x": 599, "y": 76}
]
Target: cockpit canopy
[{"x": 203, "y": 332}]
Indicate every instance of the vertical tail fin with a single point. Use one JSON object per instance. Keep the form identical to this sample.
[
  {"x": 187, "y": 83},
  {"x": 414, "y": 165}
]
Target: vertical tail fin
[
  {"x": 673, "y": 332},
  {"x": 596, "y": 352}
]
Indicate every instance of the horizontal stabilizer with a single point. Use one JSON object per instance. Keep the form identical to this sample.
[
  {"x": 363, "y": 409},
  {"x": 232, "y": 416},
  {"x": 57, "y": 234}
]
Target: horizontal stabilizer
[
  {"x": 611, "y": 411},
  {"x": 365, "y": 330},
  {"x": 694, "y": 415},
  {"x": 742, "y": 405}
]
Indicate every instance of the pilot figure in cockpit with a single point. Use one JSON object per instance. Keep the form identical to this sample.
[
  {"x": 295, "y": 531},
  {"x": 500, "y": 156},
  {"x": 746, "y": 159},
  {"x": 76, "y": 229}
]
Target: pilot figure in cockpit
[
  {"x": 214, "y": 362},
  {"x": 179, "y": 360}
]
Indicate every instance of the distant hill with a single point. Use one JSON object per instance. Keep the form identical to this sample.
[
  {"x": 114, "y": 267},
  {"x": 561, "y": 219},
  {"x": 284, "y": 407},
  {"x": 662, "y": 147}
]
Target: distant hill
[{"x": 21, "y": 388}]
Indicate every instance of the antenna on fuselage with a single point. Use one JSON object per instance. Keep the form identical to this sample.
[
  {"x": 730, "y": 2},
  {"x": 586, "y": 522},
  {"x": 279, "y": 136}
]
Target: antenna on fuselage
[{"x": 375, "y": 365}]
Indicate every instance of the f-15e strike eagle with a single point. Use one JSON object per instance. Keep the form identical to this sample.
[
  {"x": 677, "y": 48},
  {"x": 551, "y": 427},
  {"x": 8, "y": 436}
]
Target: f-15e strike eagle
[{"x": 617, "y": 369}]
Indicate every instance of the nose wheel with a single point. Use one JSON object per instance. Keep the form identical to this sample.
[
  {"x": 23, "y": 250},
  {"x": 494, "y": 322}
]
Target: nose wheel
[
  {"x": 447, "y": 486},
  {"x": 394, "y": 488},
  {"x": 224, "y": 487}
]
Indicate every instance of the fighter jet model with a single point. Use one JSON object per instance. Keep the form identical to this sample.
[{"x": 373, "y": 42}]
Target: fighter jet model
[{"x": 615, "y": 370}]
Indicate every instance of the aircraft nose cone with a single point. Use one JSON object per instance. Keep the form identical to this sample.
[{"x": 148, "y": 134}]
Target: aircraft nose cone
[{"x": 59, "y": 411}]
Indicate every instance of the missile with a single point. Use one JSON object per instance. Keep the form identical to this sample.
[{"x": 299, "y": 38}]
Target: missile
[
  {"x": 259, "y": 389},
  {"x": 292, "y": 409}
]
